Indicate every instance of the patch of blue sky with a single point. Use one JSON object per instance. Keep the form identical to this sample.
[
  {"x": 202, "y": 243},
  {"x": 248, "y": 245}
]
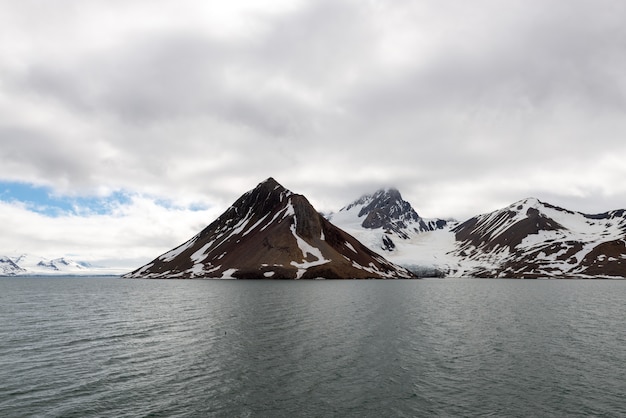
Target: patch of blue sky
[
  {"x": 45, "y": 201},
  {"x": 169, "y": 204}
]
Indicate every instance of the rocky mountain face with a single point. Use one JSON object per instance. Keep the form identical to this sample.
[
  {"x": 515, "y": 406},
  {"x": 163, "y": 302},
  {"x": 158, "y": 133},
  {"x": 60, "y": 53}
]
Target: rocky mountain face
[
  {"x": 270, "y": 232},
  {"x": 534, "y": 239},
  {"x": 388, "y": 214}
]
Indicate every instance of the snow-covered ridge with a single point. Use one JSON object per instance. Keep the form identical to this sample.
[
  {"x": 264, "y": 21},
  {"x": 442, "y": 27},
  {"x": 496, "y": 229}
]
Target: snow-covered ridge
[
  {"x": 8, "y": 267},
  {"x": 383, "y": 219},
  {"x": 530, "y": 238},
  {"x": 32, "y": 265}
]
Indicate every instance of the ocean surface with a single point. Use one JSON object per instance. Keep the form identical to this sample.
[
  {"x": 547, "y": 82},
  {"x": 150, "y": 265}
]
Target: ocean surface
[{"x": 91, "y": 347}]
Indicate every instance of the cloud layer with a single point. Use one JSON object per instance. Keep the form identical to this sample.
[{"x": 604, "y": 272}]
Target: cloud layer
[{"x": 463, "y": 107}]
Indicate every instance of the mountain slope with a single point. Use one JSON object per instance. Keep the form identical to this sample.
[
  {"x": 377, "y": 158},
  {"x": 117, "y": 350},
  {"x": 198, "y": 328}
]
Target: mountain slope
[
  {"x": 385, "y": 221},
  {"x": 535, "y": 239},
  {"x": 387, "y": 215},
  {"x": 269, "y": 232}
]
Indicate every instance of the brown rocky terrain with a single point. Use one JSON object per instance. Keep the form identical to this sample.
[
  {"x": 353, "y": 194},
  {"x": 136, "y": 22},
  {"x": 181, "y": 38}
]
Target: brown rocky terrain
[{"x": 269, "y": 232}]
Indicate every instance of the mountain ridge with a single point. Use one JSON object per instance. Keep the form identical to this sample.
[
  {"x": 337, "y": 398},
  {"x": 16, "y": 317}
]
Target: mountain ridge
[
  {"x": 530, "y": 239},
  {"x": 26, "y": 264},
  {"x": 387, "y": 212},
  {"x": 527, "y": 239}
]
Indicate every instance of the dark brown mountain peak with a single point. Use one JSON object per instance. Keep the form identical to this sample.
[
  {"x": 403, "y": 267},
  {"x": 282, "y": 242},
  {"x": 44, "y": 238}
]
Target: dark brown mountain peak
[
  {"x": 533, "y": 239},
  {"x": 265, "y": 196},
  {"x": 388, "y": 203},
  {"x": 269, "y": 232},
  {"x": 508, "y": 226}
]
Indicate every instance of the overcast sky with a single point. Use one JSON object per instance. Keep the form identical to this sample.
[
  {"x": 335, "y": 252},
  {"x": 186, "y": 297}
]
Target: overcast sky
[{"x": 127, "y": 126}]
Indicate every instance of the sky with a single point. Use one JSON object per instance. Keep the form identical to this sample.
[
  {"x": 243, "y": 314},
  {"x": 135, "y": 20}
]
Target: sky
[{"x": 128, "y": 126}]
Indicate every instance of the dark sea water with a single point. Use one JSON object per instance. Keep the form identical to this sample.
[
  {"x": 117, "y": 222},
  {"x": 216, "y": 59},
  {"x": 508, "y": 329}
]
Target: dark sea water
[{"x": 80, "y": 347}]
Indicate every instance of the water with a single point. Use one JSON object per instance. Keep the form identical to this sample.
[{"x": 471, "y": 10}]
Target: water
[{"x": 78, "y": 347}]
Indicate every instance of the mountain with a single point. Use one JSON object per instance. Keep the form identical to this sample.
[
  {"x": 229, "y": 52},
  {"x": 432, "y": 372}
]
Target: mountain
[
  {"x": 39, "y": 265},
  {"x": 527, "y": 239},
  {"x": 270, "y": 232},
  {"x": 385, "y": 221},
  {"x": 532, "y": 239},
  {"x": 388, "y": 215},
  {"x": 32, "y": 265},
  {"x": 9, "y": 268}
]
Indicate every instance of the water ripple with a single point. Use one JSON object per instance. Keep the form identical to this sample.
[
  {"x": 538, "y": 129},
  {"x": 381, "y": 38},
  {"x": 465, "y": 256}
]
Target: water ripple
[{"x": 105, "y": 347}]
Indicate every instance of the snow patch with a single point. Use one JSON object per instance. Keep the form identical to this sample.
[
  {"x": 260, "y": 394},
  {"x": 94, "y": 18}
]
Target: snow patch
[
  {"x": 289, "y": 210},
  {"x": 279, "y": 213},
  {"x": 255, "y": 225},
  {"x": 228, "y": 274},
  {"x": 197, "y": 270},
  {"x": 143, "y": 269},
  {"x": 200, "y": 255},
  {"x": 170, "y": 255},
  {"x": 307, "y": 249}
]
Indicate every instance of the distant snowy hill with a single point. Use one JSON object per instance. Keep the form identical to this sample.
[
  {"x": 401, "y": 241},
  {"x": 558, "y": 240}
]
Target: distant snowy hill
[
  {"x": 9, "y": 268},
  {"x": 535, "y": 239},
  {"x": 31, "y": 265},
  {"x": 385, "y": 221}
]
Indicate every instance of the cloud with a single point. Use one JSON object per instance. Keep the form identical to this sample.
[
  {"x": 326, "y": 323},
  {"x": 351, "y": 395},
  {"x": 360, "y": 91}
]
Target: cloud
[
  {"x": 125, "y": 236},
  {"x": 463, "y": 107}
]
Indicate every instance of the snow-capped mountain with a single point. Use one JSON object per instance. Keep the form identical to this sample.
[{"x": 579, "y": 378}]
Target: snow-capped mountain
[
  {"x": 270, "y": 232},
  {"x": 385, "y": 221},
  {"x": 32, "y": 265},
  {"x": 39, "y": 265},
  {"x": 387, "y": 215},
  {"x": 9, "y": 268},
  {"x": 535, "y": 239},
  {"x": 527, "y": 239}
]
